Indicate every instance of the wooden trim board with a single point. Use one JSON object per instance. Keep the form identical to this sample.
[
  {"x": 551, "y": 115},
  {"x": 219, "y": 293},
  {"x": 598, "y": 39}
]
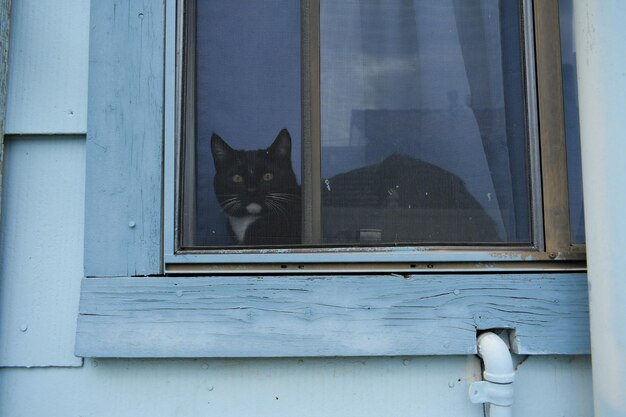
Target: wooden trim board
[
  {"x": 5, "y": 32},
  {"x": 347, "y": 315},
  {"x": 124, "y": 150}
]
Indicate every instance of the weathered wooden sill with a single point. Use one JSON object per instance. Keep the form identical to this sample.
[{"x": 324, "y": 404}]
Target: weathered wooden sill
[{"x": 282, "y": 316}]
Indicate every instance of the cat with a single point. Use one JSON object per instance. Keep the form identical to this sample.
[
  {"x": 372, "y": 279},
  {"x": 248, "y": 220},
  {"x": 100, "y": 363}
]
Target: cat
[{"x": 258, "y": 192}]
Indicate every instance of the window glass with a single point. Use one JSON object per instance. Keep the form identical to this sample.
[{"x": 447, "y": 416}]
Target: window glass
[
  {"x": 572, "y": 128},
  {"x": 423, "y": 131},
  {"x": 248, "y": 89}
]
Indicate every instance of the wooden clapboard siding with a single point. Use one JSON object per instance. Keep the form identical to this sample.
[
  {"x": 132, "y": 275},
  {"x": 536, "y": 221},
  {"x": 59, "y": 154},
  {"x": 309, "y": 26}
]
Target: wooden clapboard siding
[
  {"x": 330, "y": 316},
  {"x": 5, "y": 26},
  {"x": 545, "y": 386},
  {"x": 41, "y": 240},
  {"x": 48, "y": 71},
  {"x": 124, "y": 138},
  {"x": 41, "y": 233}
]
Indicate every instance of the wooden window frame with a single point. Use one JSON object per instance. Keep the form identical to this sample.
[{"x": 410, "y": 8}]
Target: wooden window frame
[
  {"x": 134, "y": 304},
  {"x": 550, "y": 248}
]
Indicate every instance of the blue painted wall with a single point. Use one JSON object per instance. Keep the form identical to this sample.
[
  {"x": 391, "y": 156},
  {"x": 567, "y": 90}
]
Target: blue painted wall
[{"x": 41, "y": 264}]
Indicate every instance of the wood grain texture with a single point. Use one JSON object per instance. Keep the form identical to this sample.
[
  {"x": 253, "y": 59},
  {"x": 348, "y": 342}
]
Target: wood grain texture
[
  {"x": 5, "y": 26},
  {"x": 329, "y": 316},
  {"x": 41, "y": 240},
  {"x": 48, "y": 67},
  {"x": 124, "y": 138}
]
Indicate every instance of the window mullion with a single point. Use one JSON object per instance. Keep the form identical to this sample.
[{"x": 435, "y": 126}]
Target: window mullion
[
  {"x": 187, "y": 123},
  {"x": 552, "y": 128},
  {"x": 311, "y": 123}
]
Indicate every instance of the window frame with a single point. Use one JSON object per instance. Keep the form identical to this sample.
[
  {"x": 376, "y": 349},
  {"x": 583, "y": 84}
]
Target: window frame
[
  {"x": 132, "y": 307},
  {"x": 550, "y": 231}
]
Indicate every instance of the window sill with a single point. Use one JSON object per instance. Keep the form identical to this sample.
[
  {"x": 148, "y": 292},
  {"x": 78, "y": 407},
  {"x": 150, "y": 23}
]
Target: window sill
[{"x": 374, "y": 315}]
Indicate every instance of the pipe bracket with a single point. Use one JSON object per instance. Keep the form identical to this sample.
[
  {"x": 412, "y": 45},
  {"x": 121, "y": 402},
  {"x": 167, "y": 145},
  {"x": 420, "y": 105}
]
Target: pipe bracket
[{"x": 491, "y": 392}]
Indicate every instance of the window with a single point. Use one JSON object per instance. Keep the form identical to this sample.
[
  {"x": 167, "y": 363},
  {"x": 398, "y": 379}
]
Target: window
[
  {"x": 134, "y": 305},
  {"x": 365, "y": 131}
]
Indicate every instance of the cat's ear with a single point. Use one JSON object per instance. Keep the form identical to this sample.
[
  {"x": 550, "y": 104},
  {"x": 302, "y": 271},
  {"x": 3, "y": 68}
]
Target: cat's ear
[
  {"x": 222, "y": 153},
  {"x": 281, "y": 148}
]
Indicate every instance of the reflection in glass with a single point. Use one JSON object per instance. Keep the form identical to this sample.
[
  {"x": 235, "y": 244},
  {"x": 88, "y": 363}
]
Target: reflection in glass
[{"x": 423, "y": 131}]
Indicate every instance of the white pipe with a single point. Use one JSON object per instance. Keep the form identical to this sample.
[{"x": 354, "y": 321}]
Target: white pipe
[
  {"x": 498, "y": 411},
  {"x": 497, "y": 359},
  {"x": 497, "y": 388}
]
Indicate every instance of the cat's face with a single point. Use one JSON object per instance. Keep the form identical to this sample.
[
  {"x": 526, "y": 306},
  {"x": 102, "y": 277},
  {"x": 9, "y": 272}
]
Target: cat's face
[{"x": 254, "y": 183}]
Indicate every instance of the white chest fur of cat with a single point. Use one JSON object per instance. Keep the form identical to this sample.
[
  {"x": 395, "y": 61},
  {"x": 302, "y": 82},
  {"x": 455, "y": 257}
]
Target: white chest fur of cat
[{"x": 240, "y": 224}]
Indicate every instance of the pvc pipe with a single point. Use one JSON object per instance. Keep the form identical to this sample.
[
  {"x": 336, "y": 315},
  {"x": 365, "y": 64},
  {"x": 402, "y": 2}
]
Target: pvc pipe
[
  {"x": 498, "y": 411},
  {"x": 497, "y": 388},
  {"x": 600, "y": 35},
  {"x": 497, "y": 359}
]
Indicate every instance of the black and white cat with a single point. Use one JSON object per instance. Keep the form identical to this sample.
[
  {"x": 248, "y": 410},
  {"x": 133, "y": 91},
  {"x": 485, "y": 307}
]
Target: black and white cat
[{"x": 258, "y": 192}]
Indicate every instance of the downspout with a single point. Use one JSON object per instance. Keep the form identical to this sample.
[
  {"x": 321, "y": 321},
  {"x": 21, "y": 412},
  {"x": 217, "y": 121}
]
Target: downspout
[
  {"x": 600, "y": 36},
  {"x": 496, "y": 390}
]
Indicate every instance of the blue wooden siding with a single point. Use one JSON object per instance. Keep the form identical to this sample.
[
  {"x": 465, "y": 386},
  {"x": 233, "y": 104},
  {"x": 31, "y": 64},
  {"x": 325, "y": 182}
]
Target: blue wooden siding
[
  {"x": 40, "y": 245},
  {"x": 48, "y": 72},
  {"x": 5, "y": 24},
  {"x": 399, "y": 386},
  {"x": 124, "y": 138},
  {"x": 364, "y": 387}
]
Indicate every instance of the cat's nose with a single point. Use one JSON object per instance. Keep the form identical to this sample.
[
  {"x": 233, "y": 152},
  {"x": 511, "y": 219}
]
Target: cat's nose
[{"x": 251, "y": 190}]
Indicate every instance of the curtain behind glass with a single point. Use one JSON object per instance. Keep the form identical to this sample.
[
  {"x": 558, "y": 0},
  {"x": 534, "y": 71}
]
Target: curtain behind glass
[{"x": 435, "y": 80}]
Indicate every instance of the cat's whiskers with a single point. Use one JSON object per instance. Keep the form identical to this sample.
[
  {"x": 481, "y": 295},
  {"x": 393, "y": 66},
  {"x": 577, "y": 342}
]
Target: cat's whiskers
[
  {"x": 286, "y": 197},
  {"x": 229, "y": 201},
  {"x": 275, "y": 207},
  {"x": 270, "y": 204},
  {"x": 280, "y": 201},
  {"x": 227, "y": 197},
  {"x": 231, "y": 204},
  {"x": 270, "y": 197}
]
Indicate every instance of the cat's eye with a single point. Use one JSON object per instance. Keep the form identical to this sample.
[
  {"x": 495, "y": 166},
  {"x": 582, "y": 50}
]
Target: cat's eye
[
  {"x": 268, "y": 176},
  {"x": 237, "y": 178}
]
